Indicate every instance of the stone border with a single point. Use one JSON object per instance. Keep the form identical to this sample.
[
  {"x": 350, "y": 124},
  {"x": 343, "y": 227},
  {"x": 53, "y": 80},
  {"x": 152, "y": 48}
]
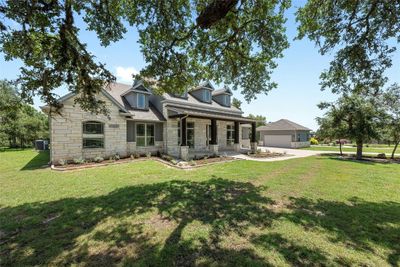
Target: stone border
[{"x": 122, "y": 161}]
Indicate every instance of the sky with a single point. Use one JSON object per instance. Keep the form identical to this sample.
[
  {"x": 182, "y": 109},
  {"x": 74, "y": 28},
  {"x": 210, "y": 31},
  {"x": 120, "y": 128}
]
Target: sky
[{"x": 297, "y": 74}]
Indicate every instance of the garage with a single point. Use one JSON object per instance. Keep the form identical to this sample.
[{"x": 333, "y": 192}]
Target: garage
[
  {"x": 283, "y": 133},
  {"x": 277, "y": 140}
]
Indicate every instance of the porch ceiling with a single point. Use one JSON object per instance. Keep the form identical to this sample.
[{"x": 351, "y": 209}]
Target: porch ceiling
[{"x": 178, "y": 112}]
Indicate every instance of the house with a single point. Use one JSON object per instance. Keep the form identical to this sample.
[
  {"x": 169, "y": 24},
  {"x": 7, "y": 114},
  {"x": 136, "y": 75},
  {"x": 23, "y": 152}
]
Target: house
[
  {"x": 284, "y": 133},
  {"x": 200, "y": 121}
]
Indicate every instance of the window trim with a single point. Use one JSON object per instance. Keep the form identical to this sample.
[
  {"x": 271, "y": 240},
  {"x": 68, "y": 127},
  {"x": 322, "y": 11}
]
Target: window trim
[
  {"x": 98, "y": 136},
  {"x": 145, "y": 134},
  {"x": 137, "y": 100}
]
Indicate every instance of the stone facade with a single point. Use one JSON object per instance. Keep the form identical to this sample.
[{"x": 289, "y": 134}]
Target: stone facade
[
  {"x": 66, "y": 132},
  {"x": 67, "y": 135}
]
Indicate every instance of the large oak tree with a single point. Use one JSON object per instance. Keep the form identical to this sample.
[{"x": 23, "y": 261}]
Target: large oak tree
[{"x": 183, "y": 42}]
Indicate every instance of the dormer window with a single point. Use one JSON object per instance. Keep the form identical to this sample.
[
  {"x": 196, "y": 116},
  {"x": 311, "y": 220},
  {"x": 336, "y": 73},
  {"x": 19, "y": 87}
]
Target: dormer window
[
  {"x": 141, "y": 101},
  {"x": 226, "y": 100},
  {"x": 206, "y": 96}
]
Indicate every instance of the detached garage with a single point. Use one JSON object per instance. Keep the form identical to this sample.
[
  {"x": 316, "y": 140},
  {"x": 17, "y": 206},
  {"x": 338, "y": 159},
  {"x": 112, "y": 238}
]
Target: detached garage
[{"x": 284, "y": 133}]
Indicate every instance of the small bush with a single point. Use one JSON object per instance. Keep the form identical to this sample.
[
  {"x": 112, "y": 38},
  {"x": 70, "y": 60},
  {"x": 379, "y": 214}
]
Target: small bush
[
  {"x": 78, "y": 161},
  {"x": 166, "y": 157},
  {"x": 192, "y": 163},
  {"x": 381, "y": 156},
  {"x": 62, "y": 162},
  {"x": 258, "y": 151},
  {"x": 98, "y": 159},
  {"x": 313, "y": 141},
  {"x": 148, "y": 155},
  {"x": 158, "y": 153},
  {"x": 174, "y": 162}
]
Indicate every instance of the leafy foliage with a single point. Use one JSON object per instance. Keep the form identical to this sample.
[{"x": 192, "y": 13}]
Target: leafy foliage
[
  {"x": 20, "y": 123},
  {"x": 236, "y": 103},
  {"x": 183, "y": 43}
]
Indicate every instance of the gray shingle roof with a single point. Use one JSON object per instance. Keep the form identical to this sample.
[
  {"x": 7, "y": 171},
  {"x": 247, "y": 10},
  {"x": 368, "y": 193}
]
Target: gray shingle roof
[{"x": 282, "y": 124}]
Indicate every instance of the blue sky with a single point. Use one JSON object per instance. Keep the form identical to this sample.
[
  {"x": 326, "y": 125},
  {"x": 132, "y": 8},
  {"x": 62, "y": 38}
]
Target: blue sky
[{"x": 297, "y": 75}]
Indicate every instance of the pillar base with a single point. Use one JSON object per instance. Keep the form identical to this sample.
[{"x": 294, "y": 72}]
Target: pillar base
[
  {"x": 214, "y": 149},
  {"x": 236, "y": 147},
  {"x": 184, "y": 153},
  {"x": 253, "y": 146}
]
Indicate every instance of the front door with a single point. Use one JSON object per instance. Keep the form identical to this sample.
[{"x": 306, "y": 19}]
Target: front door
[{"x": 208, "y": 134}]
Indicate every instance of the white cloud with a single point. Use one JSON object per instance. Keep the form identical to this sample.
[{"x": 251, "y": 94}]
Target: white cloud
[{"x": 125, "y": 74}]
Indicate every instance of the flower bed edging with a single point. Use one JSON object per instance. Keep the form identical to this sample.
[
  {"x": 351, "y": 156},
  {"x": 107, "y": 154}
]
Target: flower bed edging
[{"x": 122, "y": 161}]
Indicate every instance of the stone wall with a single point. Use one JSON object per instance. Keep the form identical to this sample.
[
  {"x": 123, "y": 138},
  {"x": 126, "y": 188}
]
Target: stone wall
[{"x": 66, "y": 132}]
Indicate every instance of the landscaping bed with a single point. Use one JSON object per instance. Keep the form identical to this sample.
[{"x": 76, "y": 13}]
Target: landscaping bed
[{"x": 266, "y": 154}]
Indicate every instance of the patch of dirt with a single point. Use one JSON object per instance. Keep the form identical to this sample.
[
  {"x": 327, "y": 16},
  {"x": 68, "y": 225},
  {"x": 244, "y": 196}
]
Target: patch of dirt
[{"x": 157, "y": 221}]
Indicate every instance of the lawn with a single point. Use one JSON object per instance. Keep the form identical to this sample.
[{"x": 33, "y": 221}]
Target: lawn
[
  {"x": 308, "y": 211},
  {"x": 385, "y": 149}
]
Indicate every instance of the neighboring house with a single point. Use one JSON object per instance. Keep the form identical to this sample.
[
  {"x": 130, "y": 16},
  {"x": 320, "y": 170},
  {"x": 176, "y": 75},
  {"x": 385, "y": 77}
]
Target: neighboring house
[
  {"x": 284, "y": 133},
  {"x": 201, "y": 121}
]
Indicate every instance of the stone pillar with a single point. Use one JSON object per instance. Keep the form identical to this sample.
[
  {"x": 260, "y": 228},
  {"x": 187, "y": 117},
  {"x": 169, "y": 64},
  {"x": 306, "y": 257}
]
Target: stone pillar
[
  {"x": 253, "y": 147},
  {"x": 183, "y": 132},
  {"x": 184, "y": 153},
  {"x": 213, "y": 132},
  {"x": 236, "y": 147},
  {"x": 214, "y": 149}
]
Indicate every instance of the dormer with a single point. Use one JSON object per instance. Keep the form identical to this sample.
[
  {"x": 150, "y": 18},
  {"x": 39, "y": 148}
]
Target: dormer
[
  {"x": 138, "y": 96},
  {"x": 222, "y": 96},
  {"x": 203, "y": 92}
]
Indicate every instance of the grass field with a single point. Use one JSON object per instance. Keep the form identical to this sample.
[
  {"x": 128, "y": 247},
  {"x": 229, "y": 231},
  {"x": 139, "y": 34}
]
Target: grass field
[
  {"x": 308, "y": 211},
  {"x": 376, "y": 149}
]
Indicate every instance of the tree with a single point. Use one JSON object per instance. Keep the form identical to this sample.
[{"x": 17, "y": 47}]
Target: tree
[
  {"x": 361, "y": 33},
  {"x": 260, "y": 119},
  {"x": 21, "y": 124},
  {"x": 183, "y": 42},
  {"x": 391, "y": 99},
  {"x": 236, "y": 103},
  {"x": 332, "y": 127},
  {"x": 357, "y": 117}
]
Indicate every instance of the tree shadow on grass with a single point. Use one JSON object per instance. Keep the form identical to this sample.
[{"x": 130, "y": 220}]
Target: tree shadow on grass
[
  {"x": 37, "y": 233},
  {"x": 358, "y": 224},
  {"x": 40, "y": 161}
]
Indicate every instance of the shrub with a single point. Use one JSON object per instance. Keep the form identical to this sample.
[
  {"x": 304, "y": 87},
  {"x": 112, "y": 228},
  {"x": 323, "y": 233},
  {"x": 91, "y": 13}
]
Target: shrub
[
  {"x": 258, "y": 151},
  {"x": 78, "y": 161},
  {"x": 192, "y": 163},
  {"x": 62, "y": 162},
  {"x": 174, "y": 161},
  {"x": 98, "y": 159},
  {"x": 381, "y": 156},
  {"x": 158, "y": 153},
  {"x": 313, "y": 141},
  {"x": 148, "y": 154},
  {"x": 166, "y": 157}
]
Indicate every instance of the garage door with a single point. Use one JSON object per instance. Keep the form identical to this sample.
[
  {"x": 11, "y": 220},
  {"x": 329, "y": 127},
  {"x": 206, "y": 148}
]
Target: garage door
[{"x": 277, "y": 140}]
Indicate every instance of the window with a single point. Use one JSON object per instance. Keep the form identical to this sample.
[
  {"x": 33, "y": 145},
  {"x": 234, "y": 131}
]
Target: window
[
  {"x": 230, "y": 135},
  {"x": 190, "y": 134},
  {"x": 93, "y": 134},
  {"x": 144, "y": 134},
  {"x": 141, "y": 101},
  {"x": 206, "y": 95},
  {"x": 226, "y": 100}
]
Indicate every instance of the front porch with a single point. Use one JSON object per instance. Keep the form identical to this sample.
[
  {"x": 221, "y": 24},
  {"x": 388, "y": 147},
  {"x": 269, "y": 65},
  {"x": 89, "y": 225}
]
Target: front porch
[{"x": 201, "y": 136}]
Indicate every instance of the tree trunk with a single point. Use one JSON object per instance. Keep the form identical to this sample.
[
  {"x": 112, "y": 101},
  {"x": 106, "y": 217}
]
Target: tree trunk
[
  {"x": 394, "y": 149},
  {"x": 359, "y": 150},
  {"x": 340, "y": 147}
]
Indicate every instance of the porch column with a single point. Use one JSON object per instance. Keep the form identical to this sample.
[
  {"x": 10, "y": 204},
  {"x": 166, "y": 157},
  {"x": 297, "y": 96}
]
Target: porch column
[
  {"x": 236, "y": 145},
  {"x": 214, "y": 142},
  {"x": 184, "y": 149},
  {"x": 183, "y": 132},
  {"x": 253, "y": 141}
]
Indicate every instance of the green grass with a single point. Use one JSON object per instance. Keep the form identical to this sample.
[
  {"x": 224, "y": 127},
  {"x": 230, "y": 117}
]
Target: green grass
[
  {"x": 309, "y": 211},
  {"x": 385, "y": 149}
]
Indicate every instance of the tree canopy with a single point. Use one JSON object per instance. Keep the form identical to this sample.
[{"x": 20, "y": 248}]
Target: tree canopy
[{"x": 183, "y": 43}]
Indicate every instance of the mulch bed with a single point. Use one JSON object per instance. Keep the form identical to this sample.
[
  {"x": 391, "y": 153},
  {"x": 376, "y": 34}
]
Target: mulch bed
[
  {"x": 365, "y": 159},
  {"x": 180, "y": 165},
  {"x": 267, "y": 155}
]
